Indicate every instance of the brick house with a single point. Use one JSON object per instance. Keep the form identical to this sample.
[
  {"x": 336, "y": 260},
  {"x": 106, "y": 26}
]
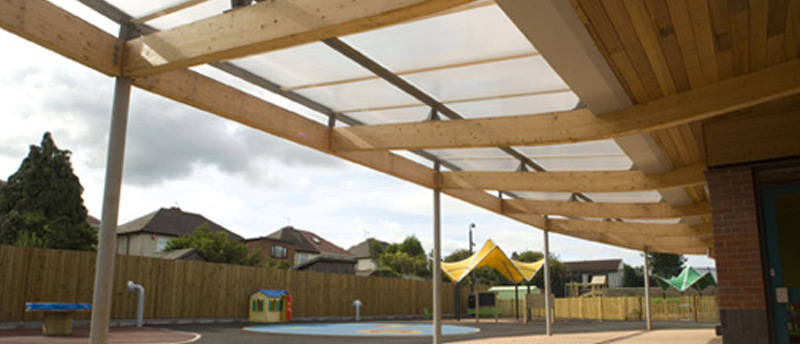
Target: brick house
[{"x": 272, "y": 249}]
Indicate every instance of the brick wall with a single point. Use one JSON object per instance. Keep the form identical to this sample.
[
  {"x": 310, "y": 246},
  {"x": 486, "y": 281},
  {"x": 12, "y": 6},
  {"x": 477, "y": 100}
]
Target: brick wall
[{"x": 737, "y": 250}]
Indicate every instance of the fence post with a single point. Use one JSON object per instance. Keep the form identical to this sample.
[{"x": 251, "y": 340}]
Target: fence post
[
  {"x": 601, "y": 308},
  {"x": 580, "y": 306},
  {"x": 694, "y": 307},
  {"x": 639, "y": 301}
]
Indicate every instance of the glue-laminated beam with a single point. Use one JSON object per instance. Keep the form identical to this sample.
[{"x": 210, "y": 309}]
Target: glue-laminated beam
[
  {"x": 268, "y": 26},
  {"x": 584, "y": 181},
  {"x": 660, "y": 210}
]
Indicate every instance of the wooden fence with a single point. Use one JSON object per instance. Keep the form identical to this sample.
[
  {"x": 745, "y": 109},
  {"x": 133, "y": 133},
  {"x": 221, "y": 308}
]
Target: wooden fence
[
  {"x": 705, "y": 308},
  {"x": 189, "y": 289}
]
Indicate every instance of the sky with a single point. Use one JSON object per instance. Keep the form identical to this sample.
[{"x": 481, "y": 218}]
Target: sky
[{"x": 245, "y": 180}]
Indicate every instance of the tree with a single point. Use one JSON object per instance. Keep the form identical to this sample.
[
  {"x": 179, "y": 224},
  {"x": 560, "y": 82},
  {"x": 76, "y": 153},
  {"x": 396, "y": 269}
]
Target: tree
[
  {"x": 404, "y": 259},
  {"x": 633, "y": 277},
  {"x": 666, "y": 265},
  {"x": 215, "y": 247},
  {"x": 42, "y": 205},
  {"x": 558, "y": 271}
]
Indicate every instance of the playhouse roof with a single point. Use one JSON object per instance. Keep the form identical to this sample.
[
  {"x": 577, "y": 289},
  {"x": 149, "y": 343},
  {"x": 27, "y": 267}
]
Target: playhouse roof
[{"x": 273, "y": 293}]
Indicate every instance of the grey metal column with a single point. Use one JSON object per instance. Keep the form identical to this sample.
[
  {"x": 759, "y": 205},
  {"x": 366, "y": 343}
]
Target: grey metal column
[
  {"x": 107, "y": 245},
  {"x": 437, "y": 262},
  {"x": 647, "y": 290},
  {"x": 547, "y": 291}
]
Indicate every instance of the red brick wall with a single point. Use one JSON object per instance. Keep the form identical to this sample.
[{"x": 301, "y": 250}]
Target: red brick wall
[{"x": 737, "y": 246}]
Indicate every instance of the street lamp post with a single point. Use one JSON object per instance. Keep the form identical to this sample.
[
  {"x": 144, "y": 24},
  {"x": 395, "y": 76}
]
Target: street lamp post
[{"x": 471, "y": 280}]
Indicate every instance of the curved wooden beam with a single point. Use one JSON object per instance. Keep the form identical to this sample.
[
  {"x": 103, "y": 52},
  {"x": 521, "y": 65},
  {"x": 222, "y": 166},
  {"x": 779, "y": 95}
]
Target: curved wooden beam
[
  {"x": 660, "y": 210},
  {"x": 268, "y": 26},
  {"x": 589, "y": 181},
  {"x": 577, "y": 125}
]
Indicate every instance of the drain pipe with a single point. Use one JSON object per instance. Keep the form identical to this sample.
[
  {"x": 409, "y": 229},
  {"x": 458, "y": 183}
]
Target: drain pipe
[{"x": 140, "y": 310}]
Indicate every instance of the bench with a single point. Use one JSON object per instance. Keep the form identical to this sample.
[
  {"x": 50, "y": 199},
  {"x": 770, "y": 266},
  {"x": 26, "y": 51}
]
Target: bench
[{"x": 57, "y": 316}]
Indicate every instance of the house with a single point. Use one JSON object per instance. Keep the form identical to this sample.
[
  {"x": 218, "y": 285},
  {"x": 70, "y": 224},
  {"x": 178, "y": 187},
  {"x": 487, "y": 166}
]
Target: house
[
  {"x": 582, "y": 271},
  {"x": 272, "y": 249},
  {"x": 150, "y": 233},
  {"x": 365, "y": 265},
  {"x": 313, "y": 253}
]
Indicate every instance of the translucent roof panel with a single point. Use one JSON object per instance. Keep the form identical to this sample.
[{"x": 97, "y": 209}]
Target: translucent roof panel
[
  {"x": 302, "y": 65},
  {"x": 475, "y": 34},
  {"x": 478, "y": 159},
  {"x": 190, "y": 14},
  {"x": 404, "y": 115},
  {"x": 489, "y": 79},
  {"x": 599, "y": 163},
  {"x": 259, "y": 92},
  {"x": 517, "y": 105},
  {"x": 626, "y": 197},
  {"x": 141, "y": 8},
  {"x": 589, "y": 148},
  {"x": 358, "y": 95},
  {"x": 544, "y": 196}
]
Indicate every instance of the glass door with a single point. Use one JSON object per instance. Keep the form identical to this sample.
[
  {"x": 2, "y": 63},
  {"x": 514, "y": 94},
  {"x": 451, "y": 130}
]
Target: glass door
[{"x": 781, "y": 216}]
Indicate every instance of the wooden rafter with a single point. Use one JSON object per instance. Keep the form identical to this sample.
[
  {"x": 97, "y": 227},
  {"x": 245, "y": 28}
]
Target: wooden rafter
[
  {"x": 62, "y": 32},
  {"x": 577, "y": 125},
  {"x": 267, "y": 26},
  {"x": 605, "y": 210},
  {"x": 585, "y": 181}
]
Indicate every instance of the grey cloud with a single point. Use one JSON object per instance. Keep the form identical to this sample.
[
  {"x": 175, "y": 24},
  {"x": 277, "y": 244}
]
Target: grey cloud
[{"x": 166, "y": 140}]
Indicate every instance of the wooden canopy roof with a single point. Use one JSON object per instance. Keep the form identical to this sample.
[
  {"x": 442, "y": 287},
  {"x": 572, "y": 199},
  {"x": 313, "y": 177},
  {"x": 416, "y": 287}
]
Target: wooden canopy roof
[{"x": 646, "y": 74}]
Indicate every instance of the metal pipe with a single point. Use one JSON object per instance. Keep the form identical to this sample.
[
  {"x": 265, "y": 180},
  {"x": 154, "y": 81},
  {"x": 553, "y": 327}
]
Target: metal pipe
[
  {"x": 547, "y": 306},
  {"x": 437, "y": 263},
  {"x": 471, "y": 280},
  {"x": 107, "y": 244},
  {"x": 647, "y": 290},
  {"x": 132, "y": 287}
]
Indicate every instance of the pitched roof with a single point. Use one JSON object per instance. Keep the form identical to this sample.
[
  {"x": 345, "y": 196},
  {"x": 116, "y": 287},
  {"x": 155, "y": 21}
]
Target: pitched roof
[
  {"x": 361, "y": 250},
  {"x": 325, "y": 247},
  {"x": 325, "y": 258},
  {"x": 291, "y": 235},
  {"x": 176, "y": 254},
  {"x": 173, "y": 222},
  {"x": 606, "y": 265}
]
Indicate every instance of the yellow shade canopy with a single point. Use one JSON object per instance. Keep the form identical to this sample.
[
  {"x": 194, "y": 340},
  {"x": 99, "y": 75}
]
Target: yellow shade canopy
[{"x": 491, "y": 255}]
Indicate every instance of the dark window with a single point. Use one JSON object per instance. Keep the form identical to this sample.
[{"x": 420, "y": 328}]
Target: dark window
[{"x": 279, "y": 251}]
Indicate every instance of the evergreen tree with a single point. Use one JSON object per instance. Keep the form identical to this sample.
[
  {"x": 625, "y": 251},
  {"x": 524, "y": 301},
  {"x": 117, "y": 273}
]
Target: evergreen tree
[
  {"x": 42, "y": 205},
  {"x": 404, "y": 259}
]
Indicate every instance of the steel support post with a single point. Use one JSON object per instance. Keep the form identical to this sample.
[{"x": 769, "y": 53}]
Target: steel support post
[
  {"x": 547, "y": 290},
  {"x": 437, "y": 264},
  {"x": 107, "y": 241},
  {"x": 647, "y": 290}
]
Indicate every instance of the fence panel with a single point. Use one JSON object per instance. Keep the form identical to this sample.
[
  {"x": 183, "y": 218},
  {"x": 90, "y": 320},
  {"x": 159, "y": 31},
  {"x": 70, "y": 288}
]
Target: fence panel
[{"x": 188, "y": 289}]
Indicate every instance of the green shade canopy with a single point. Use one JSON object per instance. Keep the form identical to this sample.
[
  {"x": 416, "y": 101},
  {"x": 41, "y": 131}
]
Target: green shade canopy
[{"x": 688, "y": 278}]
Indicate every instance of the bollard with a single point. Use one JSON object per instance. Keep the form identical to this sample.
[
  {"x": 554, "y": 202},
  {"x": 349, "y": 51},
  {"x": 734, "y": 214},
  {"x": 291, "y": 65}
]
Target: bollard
[
  {"x": 357, "y": 306},
  {"x": 140, "y": 312}
]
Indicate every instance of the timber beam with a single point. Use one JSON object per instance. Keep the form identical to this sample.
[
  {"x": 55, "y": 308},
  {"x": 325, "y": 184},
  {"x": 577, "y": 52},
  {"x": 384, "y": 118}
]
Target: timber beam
[
  {"x": 660, "y": 210},
  {"x": 268, "y": 26},
  {"x": 577, "y": 125},
  {"x": 62, "y": 32},
  {"x": 585, "y": 181}
]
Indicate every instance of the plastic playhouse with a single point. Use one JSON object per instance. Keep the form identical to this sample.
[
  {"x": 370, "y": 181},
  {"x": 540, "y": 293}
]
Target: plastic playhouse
[{"x": 268, "y": 305}]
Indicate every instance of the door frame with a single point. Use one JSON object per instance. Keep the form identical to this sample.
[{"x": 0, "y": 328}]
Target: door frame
[{"x": 760, "y": 186}]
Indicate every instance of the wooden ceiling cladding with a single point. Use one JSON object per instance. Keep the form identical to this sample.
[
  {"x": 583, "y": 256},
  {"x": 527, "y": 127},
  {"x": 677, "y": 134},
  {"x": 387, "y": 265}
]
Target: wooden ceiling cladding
[{"x": 662, "y": 47}]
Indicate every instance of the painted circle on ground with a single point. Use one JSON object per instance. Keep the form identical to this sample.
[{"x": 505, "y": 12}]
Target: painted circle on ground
[{"x": 361, "y": 329}]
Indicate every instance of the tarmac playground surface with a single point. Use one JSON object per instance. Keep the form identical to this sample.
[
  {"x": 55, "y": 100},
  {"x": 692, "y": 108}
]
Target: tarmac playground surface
[{"x": 504, "y": 332}]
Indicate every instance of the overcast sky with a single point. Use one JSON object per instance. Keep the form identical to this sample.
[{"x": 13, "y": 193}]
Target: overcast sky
[{"x": 245, "y": 180}]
